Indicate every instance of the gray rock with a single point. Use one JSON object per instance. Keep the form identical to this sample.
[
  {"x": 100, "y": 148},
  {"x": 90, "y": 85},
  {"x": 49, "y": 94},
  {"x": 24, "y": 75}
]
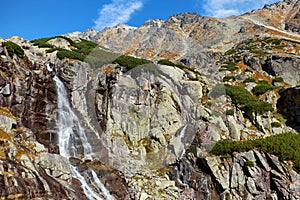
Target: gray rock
[{"x": 6, "y": 90}]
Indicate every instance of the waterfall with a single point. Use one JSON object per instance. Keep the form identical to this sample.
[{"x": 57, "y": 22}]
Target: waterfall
[{"x": 72, "y": 141}]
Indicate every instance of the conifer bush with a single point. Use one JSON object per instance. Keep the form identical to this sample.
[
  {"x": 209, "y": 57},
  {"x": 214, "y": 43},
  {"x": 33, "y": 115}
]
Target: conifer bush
[
  {"x": 12, "y": 48},
  {"x": 286, "y": 146},
  {"x": 130, "y": 61}
]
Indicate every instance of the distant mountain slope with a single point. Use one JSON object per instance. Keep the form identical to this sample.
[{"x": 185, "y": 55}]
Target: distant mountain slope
[{"x": 191, "y": 36}]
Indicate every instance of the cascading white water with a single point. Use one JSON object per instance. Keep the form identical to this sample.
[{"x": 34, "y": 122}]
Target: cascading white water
[{"x": 71, "y": 136}]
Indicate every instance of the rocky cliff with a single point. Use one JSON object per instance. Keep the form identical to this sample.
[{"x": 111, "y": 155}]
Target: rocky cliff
[{"x": 156, "y": 120}]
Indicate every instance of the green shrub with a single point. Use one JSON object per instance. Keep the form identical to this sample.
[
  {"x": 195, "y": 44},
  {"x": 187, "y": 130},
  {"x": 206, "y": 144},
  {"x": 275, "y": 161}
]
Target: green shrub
[
  {"x": 228, "y": 78},
  {"x": 262, "y": 88},
  {"x": 262, "y": 82},
  {"x": 42, "y": 43},
  {"x": 230, "y": 52},
  {"x": 275, "y": 124},
  {"x": 52, "y": 50},
  {"x": 80, "y": 50},
  {"x": 84, "y": 46},
  {"x": 249, "y": 80},
  {"x": 229, "y": 112},
  {"x": 225, "y": 156},
  {"x": 249, "y": 163},
  {"x": 229, "y": 66},
  {"x": 257, "y": 106},
  {"x": 246, "y": 102},
  {"x": 274, "y": 41},
  {"x": 286, "y": 146},
  {"x": 166, "y": 62},
  {"x": 70, "y": 54},
  {"x": 13, "y": 48},
  {"x": 278, "y": 79},
  {"x": 260, "y": 52},
  {"x": 130, "y": 61},
  {"x": 170, "y": 63}
]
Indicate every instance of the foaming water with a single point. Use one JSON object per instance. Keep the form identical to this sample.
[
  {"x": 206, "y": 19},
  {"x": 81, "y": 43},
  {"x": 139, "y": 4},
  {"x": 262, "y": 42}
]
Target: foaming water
[{"x": 72, "y": 141}]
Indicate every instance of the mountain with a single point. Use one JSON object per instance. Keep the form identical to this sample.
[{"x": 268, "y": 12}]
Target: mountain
[
  {"x": 191, "y": 107},
  {"x": 184, "y": 35}
]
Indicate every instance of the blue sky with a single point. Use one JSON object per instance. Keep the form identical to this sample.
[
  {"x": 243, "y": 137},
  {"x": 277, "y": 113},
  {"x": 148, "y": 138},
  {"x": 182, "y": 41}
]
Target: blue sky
[{"x": 35, "y": 19}]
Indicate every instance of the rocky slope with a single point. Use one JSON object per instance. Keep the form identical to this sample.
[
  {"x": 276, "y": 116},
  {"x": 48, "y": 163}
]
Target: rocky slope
[
  {"x": 152, "y": 125},
  {"x": 192, "y": 37}
]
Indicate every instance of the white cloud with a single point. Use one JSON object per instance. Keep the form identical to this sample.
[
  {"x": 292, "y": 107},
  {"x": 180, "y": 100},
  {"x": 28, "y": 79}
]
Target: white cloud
[
  {"x": 117, "y": 12},
  {"x": 225, "y": 8}
]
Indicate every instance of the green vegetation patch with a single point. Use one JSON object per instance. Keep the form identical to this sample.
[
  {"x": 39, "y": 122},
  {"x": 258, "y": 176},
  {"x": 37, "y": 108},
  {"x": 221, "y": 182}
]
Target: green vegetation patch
[
  {"x": 229, "y": 66},
  {"x": 261, "y": 82},
  {"x": 130, "y": 61},
  {"x": 42, "y": 42},
  {"x": 242, "y": 98},
  {"x": 278, "y": 79},
  {"x": 263, "y": 88},
  {"x": 229, "y": 112},
  {"x": 63, "y": 53},
  {"x": 228, "y": 78},
  {"x": 170, "y": 63},
  {"x": 286, "y": 146},
  {"x": 249, "y": 80},
  {"x": 166, "y": 62},
  {"x": 275, "y": 124},
  {"x": 231, "y": 52},
  {"x": 79, "y": 49},
  {"x": 12, "y": 48}
]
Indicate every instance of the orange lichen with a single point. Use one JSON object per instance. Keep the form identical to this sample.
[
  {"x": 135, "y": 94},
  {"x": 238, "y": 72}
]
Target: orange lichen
[
  {"x": 2, "y": 154},
  {"x": 170, "y": 55},
  {"x": 108, "y": 70},
  {"x": 5, "y": 112},
  {"x": 4, "y": 135}
]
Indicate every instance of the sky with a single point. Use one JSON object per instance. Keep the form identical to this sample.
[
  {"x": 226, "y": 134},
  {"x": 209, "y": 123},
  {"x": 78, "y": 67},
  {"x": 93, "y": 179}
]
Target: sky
[{"x": 34, "y": 19}]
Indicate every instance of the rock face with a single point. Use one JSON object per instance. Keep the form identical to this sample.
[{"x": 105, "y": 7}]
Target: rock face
[
  {"x": 249, "y": 175},
  {"x": 289, "y": 106},
  {"x": 151, "y": 127}
]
